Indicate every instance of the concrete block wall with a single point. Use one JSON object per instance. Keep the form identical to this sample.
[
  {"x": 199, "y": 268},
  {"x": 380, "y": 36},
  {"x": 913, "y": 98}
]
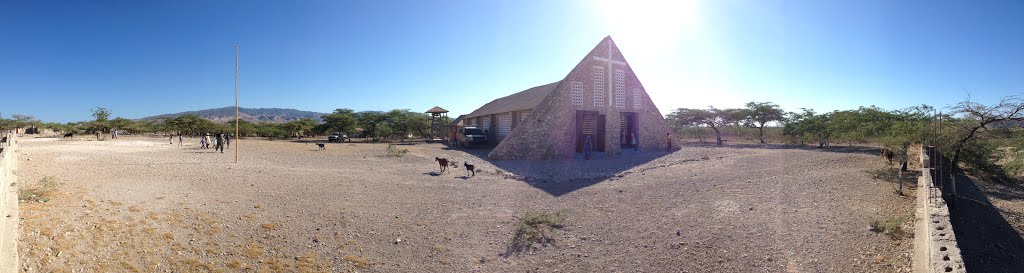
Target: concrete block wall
[
  {"x": 9, "y": 206},
  {"x": 935, "y": 247}
]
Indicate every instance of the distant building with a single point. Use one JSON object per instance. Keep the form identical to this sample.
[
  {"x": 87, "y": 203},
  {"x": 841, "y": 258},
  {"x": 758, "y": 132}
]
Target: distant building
[{"x": 600, "y": 99}]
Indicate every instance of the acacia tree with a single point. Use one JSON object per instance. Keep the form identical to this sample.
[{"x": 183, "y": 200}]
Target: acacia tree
[
  {"x": 808, "y": 123},
  {"x": 975, "y": 119},
  {"x": 370, "y": 121},
  {"x": 342, "y": 120},
  {"x": 712, "y": 117},
  {"x": 759, "y": 114},
  {"x": 299, "y": 127}
]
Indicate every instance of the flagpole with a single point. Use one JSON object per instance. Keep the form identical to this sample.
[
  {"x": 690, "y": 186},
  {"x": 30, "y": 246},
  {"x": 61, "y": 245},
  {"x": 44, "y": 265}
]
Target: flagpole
[{"x": 236, "y": 104}]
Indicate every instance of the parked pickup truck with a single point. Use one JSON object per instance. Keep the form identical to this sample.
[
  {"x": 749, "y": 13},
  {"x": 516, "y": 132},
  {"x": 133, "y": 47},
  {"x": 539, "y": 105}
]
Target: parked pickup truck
[{"x": 472, "y": 136}]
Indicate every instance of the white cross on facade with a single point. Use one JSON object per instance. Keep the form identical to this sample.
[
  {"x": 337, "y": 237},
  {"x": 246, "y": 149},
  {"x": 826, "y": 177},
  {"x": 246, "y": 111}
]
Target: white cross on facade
[{"x": 610, "y": 62}]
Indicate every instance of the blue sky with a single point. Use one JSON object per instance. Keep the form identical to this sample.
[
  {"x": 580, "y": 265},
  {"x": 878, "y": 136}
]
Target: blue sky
[{"x": 58, "y": 59}]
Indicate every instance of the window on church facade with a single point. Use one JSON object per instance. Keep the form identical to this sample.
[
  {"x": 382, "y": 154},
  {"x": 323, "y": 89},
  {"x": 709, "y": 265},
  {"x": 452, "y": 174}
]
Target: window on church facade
[
  {"x": 620, "y": 89},
  {"x": 638, "y": 99},
  {"x": 599, "y": 86},
  {"x": 577, "y": 93}
]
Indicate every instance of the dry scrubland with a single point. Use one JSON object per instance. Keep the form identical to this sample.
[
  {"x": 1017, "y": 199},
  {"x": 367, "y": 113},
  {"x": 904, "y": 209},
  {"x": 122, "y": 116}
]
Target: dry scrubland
[{"x": 138, "y": 204}]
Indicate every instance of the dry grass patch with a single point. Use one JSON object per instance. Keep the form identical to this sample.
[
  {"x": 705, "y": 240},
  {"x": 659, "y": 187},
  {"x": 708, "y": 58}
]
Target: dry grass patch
[
  {"x": 235, "y": 264},
  {"x": 253, "y": 251},
  {"x": 536, "y": 228},
  {"x": 269, "y": 226},
  {"x": 40, "y": 192},
  {"x": 356, "y": 261}
]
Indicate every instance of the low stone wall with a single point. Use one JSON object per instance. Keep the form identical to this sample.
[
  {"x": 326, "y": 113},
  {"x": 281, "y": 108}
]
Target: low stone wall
[
  {"x": 8, "y": 206},
  {"x": 935, "y": 247}
]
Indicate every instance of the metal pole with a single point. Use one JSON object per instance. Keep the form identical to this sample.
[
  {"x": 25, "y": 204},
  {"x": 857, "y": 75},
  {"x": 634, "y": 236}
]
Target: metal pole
[{"x": 236, "y": 104}]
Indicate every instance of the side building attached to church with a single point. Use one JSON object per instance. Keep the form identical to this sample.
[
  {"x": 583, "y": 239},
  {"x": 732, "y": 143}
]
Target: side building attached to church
[{"x": 599, "y": 105}]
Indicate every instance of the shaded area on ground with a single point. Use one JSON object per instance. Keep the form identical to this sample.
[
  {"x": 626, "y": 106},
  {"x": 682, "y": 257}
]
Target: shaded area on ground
[
  {"x": 561, "y": 176},
  {"x": 987, "y": 241}
]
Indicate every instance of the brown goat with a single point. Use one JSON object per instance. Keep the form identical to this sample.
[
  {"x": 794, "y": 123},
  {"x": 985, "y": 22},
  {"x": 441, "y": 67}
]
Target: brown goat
[{"x": 443, "y": 162}]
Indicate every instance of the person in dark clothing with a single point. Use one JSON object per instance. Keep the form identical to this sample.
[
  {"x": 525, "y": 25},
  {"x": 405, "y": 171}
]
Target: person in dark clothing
[
  {"x": 220, "y": 143},
  {"x": 668, "y": 137}
]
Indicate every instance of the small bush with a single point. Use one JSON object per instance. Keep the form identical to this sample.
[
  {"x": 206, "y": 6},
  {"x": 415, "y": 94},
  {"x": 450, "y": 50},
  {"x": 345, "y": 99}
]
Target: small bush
[
  {"x": 892, "y": 227},
  {"x": 395, "y": 151},
  {"x": 39, "y": 192},
  {"x": 1015, "y": 165},
  {"x": 536, "y": 227}
]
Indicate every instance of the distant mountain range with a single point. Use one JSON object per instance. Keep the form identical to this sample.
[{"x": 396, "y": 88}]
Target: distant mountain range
[{"x": 256, "y": 115}]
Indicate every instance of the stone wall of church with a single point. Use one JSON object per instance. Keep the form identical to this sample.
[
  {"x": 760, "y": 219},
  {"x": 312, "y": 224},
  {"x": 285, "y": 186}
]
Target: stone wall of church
[{"x": 549, "y": 131}]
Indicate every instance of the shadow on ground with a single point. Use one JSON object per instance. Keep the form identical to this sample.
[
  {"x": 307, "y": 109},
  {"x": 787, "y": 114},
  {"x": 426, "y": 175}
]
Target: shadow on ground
[
  {"x": 987, "y": 241},
  {"x": 561, "y": 176}
]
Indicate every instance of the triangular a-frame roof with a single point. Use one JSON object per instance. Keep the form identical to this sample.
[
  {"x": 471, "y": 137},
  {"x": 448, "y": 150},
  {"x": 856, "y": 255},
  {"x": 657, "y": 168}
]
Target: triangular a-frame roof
[{"x": 551, "y": 130}]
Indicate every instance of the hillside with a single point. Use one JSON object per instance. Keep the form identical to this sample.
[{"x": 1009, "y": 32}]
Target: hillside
[{"x": 225, "y": 114}]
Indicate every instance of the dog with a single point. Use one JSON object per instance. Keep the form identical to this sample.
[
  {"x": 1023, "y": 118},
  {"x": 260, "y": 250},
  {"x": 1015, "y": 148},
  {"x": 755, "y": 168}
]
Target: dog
[
  {"x": 887, "y": 154},
  {"x": 443, "y": 162},
  {"x": 69, "y": 135},
  {"x": 470, "y": 168},
  {"x": 321, "y": 147}
]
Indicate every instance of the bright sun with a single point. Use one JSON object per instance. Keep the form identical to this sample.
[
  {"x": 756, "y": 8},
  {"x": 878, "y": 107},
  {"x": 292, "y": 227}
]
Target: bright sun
[{"x": 650, "y": 21}]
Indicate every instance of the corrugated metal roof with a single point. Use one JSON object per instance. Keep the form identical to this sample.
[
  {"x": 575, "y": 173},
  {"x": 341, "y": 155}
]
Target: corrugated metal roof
[{"x": 526, "y": 99}]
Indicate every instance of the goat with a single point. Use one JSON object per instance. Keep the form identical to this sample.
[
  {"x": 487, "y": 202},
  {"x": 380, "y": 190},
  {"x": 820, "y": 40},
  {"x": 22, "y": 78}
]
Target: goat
[
  {"x": 470, "y": 168},
  {"x": 443, "y": 162},
  {"x": 69, "y": 135},
  {"x": 321, "y": 147},
  {"x": 887, "y": 154}
]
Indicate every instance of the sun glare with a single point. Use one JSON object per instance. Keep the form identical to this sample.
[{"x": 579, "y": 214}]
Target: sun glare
[{"x": 650, "y": 21}]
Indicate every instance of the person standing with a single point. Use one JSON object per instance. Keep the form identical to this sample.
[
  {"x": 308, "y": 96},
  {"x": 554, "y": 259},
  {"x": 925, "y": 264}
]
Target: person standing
[
  {"x": 587, "y": 147},
  {"x": 202, "y": 143},
  {"x": 180, "y": 140},
  {"x": 668, "y": 138},
  {"x": 220, "y": 143},
  {"x": 632, "y": 141},
  {"x": 170, "y": 139},
  {"x": 227, "y": 140}
]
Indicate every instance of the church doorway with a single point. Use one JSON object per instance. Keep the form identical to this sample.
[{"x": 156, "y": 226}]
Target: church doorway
[
  {"x": 590, "y": 124},
  {"x": 628, "y": 130}
]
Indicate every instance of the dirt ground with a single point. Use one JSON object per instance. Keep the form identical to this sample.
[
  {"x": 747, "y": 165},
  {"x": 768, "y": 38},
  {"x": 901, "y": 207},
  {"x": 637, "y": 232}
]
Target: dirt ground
[{"x": 137, "y": 204}]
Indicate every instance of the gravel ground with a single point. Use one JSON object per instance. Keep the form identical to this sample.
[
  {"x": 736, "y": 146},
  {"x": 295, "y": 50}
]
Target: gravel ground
[{"x": 138, "y": 204}]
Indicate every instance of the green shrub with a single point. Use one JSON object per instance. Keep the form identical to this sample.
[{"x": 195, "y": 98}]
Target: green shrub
[
  {"x": 892, "y": 227},
  {"x": 395, "y": 151}
]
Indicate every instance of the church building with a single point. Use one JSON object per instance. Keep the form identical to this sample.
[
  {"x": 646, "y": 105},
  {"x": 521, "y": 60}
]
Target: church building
[{"x": 600, "y": 104}]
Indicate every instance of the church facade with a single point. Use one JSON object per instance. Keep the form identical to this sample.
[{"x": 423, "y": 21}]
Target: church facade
[{"x": 599, "y": 106}]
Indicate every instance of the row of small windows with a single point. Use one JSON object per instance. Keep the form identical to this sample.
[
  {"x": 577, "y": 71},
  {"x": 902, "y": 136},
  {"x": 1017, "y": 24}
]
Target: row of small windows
[
  {"x": 638, "y": 99},
  {"x": 599, "y": 86},
  {"x": 576, "y": 90},
  {"x": 620, "y": 89}
]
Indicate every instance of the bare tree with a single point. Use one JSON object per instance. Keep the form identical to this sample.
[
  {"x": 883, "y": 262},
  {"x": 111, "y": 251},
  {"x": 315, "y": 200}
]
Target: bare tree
[{"x": 976, "y": 117}]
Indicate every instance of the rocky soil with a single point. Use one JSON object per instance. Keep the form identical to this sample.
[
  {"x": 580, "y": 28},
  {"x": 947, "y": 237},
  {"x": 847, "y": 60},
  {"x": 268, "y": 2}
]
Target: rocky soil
[{"x": 137, "y": 204}]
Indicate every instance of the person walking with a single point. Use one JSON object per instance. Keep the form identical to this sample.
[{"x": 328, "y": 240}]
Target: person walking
[
  {"x": 227, "y": 140},
  {"x": 202, "y": 143},
  {"x": 180, "y": 140},
  {"x": 170, "y": 139},
  {"x": 220, "y": 143}
]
